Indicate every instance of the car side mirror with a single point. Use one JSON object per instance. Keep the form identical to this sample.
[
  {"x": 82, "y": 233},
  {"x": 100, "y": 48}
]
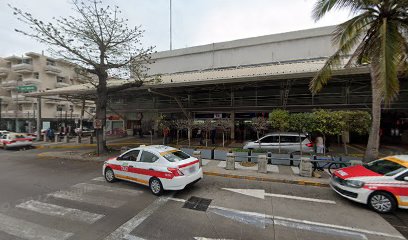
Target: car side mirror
[{"x": 406, "y": 178}]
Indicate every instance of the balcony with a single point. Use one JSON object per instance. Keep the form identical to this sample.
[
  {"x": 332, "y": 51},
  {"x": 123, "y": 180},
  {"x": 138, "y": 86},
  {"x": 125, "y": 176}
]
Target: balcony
[
  {"x": 62, "y": 84},
  {"x": 21, "y": 99},
  {"x": 9, "y": 84},
  {"x": 31, "y": 81},
  {"x": 4, "y": 71},
  {"x": 22, "y": 68},
  {"x": 50, "y": 69}
]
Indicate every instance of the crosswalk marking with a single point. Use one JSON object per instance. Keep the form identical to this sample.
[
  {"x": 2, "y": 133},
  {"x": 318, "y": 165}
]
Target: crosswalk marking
[
  {"x": 99, "y": 179},
  {"x": 123, "y": 231},
  {"x": 30, "y": 231},
  {"x": 80, "y": 197},
  {"x": 87, "y": 187},
  {"x": 59, "y": 211}
]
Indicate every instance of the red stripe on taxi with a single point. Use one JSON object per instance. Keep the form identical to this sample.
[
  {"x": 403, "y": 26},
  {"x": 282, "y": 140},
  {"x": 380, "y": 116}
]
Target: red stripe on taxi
[
  {"x": 141, "y": 171},
  {"x": 188, "y": 164}
]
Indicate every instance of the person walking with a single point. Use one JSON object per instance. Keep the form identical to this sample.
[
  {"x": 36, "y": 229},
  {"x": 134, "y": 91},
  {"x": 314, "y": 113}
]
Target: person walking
[{"x": 166, "y": 132}]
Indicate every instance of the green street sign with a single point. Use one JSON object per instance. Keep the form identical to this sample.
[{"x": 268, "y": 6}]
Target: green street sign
[{"x": 26, "y": 89}]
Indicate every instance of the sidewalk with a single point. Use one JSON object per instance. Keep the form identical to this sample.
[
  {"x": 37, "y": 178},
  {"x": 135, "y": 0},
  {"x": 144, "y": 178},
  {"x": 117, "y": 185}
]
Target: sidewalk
[{"x": 276, "y": 173}]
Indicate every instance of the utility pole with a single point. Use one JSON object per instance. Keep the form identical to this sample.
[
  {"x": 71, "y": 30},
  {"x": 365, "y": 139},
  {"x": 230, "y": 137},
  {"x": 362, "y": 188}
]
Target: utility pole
[
  {"x": 17, "y": 106},
  {"x": 171, "y": 42},
  {"x": 39, "y": 119}
]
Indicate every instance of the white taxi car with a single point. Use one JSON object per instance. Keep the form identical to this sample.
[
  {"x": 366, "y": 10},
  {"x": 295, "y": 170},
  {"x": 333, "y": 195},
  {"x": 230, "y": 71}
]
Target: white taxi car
[
  {"x": 381, "y": 184},
  {"x": 15, "y": 140},
  {"x": 157, "y": 166}
]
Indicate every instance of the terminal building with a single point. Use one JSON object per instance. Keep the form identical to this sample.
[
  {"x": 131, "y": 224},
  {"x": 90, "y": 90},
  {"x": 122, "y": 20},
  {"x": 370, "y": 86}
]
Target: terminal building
[{"x": 242, "y": 79}]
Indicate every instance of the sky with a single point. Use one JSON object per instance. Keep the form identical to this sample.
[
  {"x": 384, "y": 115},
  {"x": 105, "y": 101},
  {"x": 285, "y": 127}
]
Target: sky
[{"x": 195, "y": 22}]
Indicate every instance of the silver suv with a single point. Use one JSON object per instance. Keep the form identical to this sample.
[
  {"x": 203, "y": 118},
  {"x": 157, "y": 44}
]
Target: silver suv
[{"x": 286, "y": 141}]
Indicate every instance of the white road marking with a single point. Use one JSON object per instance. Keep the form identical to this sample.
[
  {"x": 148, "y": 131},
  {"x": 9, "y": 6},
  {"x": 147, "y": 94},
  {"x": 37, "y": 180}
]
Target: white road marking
[
  {"x": 295, "y": 170},
  {"x": 87, "y": 187},
  {"x": 279, "y": 220},
  {"x": 79, "y": 197},
  {"x": 30, "y": 231},
  {"x": 269, "y": 167},
  {"x": 260, "y": 193},
  {"x": 132, "y": 237},
  {"x": 58, "y": 211},
  {"x": 123, "y": 231},
  {"x": 203, "y": 238},
  {"x": 99, "y": 179}
]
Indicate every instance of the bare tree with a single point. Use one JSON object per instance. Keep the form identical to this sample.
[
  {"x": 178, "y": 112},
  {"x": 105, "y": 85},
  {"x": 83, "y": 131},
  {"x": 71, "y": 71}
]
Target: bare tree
[
  {"x": 206, "y": 126},
  {"x": 98, "y": 40},
  {"x": 180, "y": 124},
  {"x": 225, "y": 125},
  {"x": 259, "y": 124}
]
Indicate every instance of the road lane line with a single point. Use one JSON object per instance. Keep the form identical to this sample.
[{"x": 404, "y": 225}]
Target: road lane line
[
  {"x": 59, "y": 211},
  {"x": 99, "y": 179},
  {"x": 95, "y": 200},
  {"x": 292, "y": 220},
  {"x": 300, "y": 198},
  {"x": 30, "y": 231},
  {"x": 125, "y": 230},
  {"x": 87, "y": 187}
]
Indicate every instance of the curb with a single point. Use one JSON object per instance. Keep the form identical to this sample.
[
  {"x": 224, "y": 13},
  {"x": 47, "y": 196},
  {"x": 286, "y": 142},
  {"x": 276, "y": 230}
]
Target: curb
[
  {"x": 86, "y": 145},
  {"x": 297, "y": 182}
]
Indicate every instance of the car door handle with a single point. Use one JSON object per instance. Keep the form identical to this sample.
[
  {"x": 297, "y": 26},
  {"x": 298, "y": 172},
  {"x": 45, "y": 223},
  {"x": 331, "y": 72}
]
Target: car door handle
[{"x": 151, "y": 169}]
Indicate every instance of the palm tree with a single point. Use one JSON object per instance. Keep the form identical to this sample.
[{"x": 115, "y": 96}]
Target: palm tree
[{"x": 374, "y": 36}]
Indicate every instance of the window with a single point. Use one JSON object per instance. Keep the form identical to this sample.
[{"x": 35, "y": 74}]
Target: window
[
  {"x": 26, "y": 61},
  {"x": 384, "y": 167},
  {"x": 60, "y": 108},
  {"x": 148, "y": 157},
  {"x": 60, "y": 79},
  {"x": 20, "y": 77},
  {"x": 50, "y": 62},
  {"x": 270, "y": 139},
  {"x": 176, "y": 156},
  {"x": 130, "y": 156},
  {"x": 36, "y": 75},
  {"x": 289, "y": 139}
]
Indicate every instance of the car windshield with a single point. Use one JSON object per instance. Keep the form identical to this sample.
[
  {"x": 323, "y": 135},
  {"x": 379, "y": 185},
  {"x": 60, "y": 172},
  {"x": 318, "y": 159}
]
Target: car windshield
[
  {"x": 176, "y": 156},
  {"x": 384, "y": 167}
]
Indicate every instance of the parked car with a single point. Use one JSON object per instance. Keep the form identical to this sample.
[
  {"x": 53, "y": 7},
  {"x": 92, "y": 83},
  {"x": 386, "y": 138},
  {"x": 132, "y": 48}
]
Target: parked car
[
  {"x": 287, "y": 142},
  {"x": 3, "y": 132},
  {"x": 381, "y": 184},
  {"x": 157, "y": 166},
  {"x": 83, "y": 131},
  {"x": 15, "y": 140}
]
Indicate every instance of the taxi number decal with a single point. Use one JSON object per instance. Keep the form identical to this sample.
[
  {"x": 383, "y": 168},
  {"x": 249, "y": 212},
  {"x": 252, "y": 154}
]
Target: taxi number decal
[{"x": 124, "y": 168}]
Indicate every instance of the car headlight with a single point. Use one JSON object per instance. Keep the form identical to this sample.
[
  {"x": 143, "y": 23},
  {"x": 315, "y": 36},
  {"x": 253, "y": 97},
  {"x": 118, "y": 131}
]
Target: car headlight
[{"x": 354, "y": 183}]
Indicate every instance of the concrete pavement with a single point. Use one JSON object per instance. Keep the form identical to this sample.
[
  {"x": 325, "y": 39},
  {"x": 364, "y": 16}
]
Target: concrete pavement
[{"x": 46, "y": 198}]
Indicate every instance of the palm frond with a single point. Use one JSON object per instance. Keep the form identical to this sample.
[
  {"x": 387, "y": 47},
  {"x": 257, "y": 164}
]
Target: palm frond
[
  {"x": 322, "y": 7},
  {"x": 386, "y": 71}
]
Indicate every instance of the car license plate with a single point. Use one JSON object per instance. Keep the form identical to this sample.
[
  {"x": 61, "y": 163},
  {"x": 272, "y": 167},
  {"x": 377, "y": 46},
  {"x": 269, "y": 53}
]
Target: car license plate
[{"x": 192, "y": 169}]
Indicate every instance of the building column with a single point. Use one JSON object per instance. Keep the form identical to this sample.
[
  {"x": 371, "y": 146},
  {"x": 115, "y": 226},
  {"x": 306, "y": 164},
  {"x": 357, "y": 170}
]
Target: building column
[
  {"x": 38, "y": 119},
  {"x": 232, "y": 125}
]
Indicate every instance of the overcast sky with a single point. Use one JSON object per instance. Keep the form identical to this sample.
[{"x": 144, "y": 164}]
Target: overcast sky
[{"x": 195, "y": 22}]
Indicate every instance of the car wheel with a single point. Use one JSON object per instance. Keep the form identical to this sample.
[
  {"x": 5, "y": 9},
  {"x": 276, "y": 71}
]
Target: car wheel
[
  {"x": 382, "y": 202},
  {"x": 156, "y": 186},
  {"x": 109, "y": 175}
]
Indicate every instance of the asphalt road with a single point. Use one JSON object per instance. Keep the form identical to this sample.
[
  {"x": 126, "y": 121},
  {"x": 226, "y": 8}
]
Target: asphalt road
[{"x": 43, "y": 198}]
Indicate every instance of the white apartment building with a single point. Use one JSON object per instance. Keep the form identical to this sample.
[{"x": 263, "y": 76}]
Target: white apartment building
[{"x": 35, "y": 72}]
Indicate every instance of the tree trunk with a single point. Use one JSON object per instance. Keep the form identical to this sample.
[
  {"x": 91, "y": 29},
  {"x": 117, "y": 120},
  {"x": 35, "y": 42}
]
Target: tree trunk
[
  {"x": 101, "y": 104},
  {"x": 223, "y": 138},
  {"x": 374, "y": 137},
  {"x": 178, "y": 131},
  {"x": 259, "y": 141},
  {"x": 189, "y": 136}
]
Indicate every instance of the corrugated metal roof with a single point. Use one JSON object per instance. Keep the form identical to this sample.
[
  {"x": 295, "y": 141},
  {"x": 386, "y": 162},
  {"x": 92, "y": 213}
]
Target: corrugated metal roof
[{"x": 253, "y": 73}]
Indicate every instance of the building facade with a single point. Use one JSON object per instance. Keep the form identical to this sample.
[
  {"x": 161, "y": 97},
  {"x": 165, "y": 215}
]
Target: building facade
[
  {"x": 35, "y": 72},
  {"x": 245, "y": 78}
]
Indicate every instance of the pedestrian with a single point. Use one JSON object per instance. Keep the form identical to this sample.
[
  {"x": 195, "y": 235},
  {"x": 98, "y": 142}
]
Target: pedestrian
[
  {"x": 200, "y": 136},
  {"x": 50, "y": 134},
  {"x": 213, "y": 134},
  {"x": 319, "y": 145},
  {"x": 166, "y": 132}
]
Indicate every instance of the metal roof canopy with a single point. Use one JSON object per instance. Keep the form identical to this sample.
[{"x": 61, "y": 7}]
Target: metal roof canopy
[{"x": 264, "y": 72}]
